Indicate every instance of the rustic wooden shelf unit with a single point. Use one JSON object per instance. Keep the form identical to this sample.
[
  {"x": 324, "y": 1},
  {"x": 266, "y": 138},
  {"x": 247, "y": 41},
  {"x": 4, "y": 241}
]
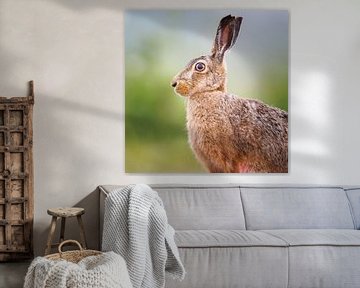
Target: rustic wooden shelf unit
[{"x": 16, "y": 177}]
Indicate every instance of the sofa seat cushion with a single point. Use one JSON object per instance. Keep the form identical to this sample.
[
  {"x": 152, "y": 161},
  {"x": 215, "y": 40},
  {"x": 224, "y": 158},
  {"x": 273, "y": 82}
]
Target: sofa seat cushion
[
  {"x": 226, "y": 238},
  {"x": 317, "y": 237}
]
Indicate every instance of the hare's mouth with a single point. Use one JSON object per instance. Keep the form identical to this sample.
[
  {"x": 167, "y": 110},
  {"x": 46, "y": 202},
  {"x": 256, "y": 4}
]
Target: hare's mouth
[{"x": 181, "y": 88}]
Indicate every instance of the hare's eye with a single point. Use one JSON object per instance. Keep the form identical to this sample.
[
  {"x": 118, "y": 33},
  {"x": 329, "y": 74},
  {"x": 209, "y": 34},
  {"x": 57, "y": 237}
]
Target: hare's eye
[{"x": 200, "y": 66}]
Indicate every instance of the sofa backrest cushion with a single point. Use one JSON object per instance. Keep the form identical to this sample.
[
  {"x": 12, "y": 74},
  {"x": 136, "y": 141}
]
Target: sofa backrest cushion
[
  {"x": 202, "y": 207},
  {"x": 354, "y": 198},
  {"x": 296, "y": 208}
]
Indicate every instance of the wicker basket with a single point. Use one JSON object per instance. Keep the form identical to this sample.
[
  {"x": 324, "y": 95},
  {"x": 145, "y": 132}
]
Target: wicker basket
[{"x": 72, "y": 256}]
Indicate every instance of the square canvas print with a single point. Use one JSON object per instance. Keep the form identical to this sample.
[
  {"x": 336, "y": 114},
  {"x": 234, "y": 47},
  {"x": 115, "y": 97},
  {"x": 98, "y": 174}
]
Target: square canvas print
[{"x": 206, "y": 91}]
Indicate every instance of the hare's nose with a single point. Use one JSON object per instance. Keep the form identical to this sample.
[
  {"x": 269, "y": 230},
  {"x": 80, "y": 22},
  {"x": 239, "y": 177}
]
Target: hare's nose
[{"x": 173, "y": 84}]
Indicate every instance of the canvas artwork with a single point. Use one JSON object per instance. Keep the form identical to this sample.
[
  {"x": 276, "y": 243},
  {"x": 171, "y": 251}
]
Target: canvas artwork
[{"x": 206, "y": 91}]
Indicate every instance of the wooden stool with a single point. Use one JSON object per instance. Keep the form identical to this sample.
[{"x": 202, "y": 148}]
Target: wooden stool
[{"x": 64, "y": 213}]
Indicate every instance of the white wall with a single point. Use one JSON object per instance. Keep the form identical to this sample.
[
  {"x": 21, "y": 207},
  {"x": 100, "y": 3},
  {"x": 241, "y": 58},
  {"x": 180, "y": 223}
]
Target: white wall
[{"x": 73, "y": 50}]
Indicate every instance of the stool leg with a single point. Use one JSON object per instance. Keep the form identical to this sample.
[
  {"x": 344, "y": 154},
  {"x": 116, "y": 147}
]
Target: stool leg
[
  {"x": 51, "y": 235},
  {"x": 82, "y": 232},
  {"x": 62, "y": 231}
]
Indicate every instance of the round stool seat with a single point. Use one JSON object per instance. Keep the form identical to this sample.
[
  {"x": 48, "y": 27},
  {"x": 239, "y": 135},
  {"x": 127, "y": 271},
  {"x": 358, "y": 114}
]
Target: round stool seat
[{"x": 66, "y": 211}]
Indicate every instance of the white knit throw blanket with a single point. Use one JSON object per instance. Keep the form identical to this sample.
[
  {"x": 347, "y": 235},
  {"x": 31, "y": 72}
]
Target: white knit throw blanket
[
  {"x": 136, "y": 227},
  {"x": 102, "y": 271}
]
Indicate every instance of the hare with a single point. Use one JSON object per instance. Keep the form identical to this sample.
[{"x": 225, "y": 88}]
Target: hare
[{"x": 227, "y": 133}]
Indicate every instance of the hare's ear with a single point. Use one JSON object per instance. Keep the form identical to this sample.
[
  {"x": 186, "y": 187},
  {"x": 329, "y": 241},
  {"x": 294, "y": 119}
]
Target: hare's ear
[{"x": 226, "y": 35}]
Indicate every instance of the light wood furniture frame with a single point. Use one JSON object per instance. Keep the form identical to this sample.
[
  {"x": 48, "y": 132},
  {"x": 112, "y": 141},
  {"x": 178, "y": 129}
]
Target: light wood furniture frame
[{"x": 63, "y": 213}]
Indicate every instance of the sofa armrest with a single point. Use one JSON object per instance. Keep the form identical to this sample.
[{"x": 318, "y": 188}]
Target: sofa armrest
[{"x": 102, "y": 197}]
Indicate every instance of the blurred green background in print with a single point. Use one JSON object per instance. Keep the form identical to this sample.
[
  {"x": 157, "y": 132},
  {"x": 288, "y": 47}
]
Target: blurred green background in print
[{"x": 159, "y": 43}]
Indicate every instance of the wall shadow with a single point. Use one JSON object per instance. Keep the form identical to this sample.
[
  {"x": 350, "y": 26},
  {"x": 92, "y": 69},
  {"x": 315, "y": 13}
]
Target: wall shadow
[{"x": 67, "y": 166}]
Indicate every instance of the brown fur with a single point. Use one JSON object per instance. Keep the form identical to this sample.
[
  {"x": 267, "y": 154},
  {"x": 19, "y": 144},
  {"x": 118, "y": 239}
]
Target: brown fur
[{"x": 227, "y": 133}]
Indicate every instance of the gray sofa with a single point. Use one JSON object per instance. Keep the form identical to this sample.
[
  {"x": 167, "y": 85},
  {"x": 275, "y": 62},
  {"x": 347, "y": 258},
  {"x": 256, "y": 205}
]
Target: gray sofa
[{"x": 243, "y": 236}]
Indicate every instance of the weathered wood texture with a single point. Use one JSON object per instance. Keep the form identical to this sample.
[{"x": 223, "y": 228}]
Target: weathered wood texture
[
  {"x": 16, "y": 177},
  {"x": 64, "y": 213}
]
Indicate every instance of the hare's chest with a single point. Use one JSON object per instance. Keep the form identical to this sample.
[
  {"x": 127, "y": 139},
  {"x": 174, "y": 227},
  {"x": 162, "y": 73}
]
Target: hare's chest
[{"x": 208, "y": 127}]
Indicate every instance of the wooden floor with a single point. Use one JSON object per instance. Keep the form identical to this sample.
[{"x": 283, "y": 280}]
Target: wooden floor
[{"x": 12, "y": 274}]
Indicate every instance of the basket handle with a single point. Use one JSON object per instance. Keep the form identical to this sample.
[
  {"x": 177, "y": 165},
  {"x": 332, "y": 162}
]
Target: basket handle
[{"x": 69, "y": 241}]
